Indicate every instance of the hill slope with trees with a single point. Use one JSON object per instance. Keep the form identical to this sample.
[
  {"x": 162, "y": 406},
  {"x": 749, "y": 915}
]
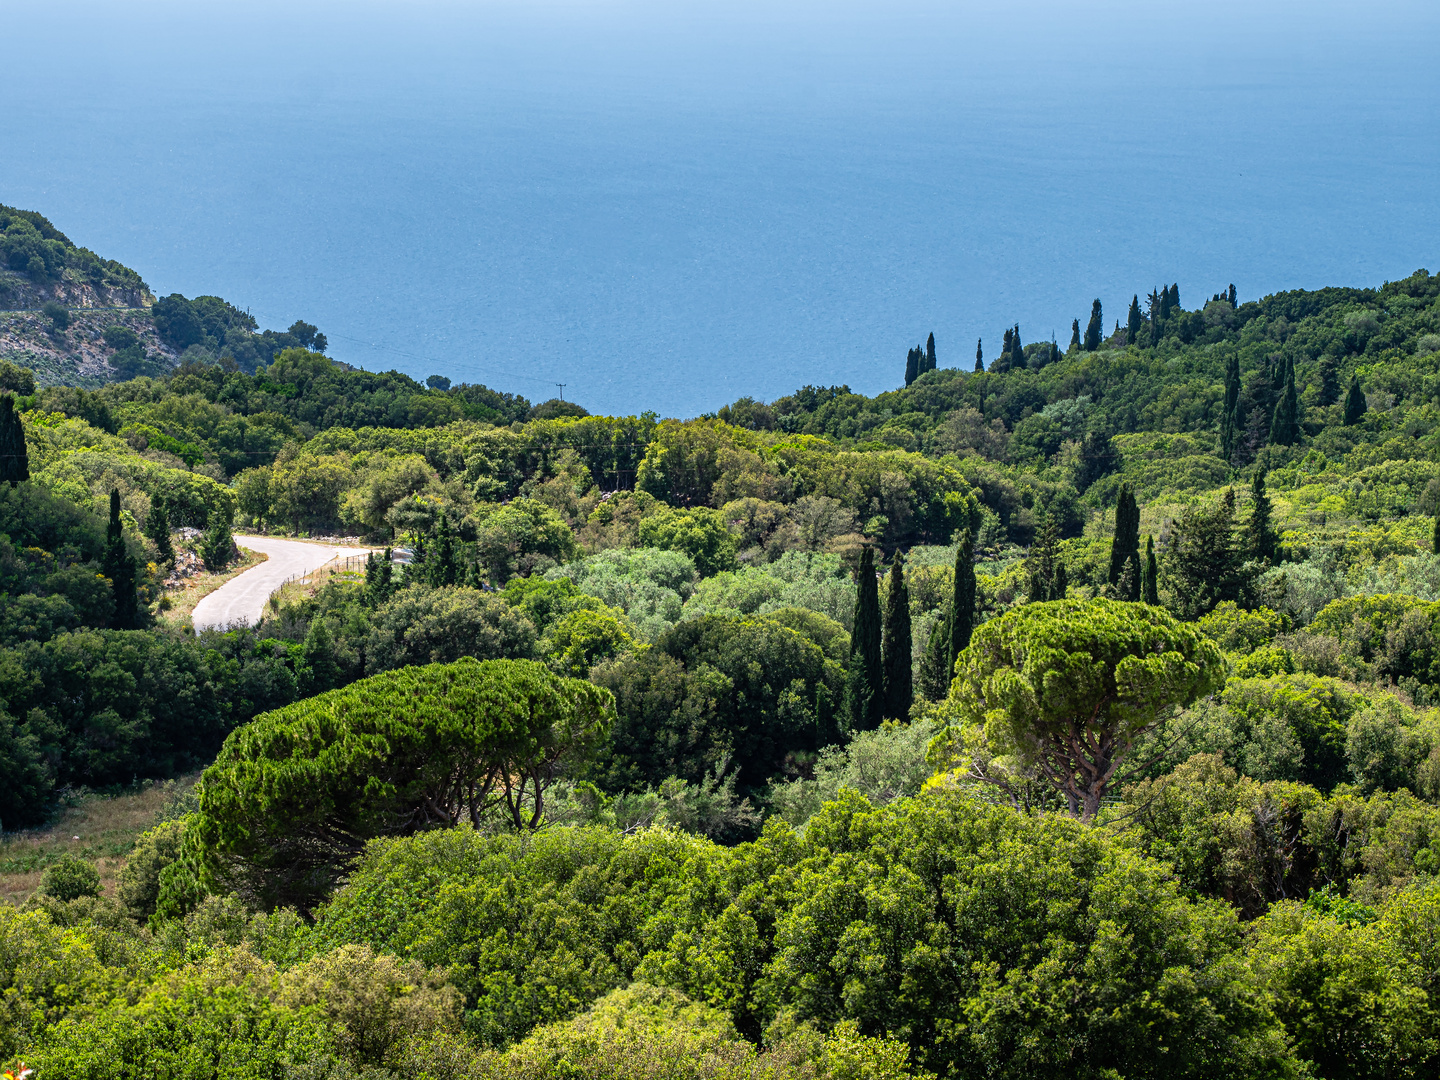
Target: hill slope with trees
[{"x": 1068, "y": 711}]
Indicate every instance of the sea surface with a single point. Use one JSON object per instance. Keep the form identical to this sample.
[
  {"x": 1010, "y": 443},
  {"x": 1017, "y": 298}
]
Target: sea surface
[{"x": 669, "y": 206}]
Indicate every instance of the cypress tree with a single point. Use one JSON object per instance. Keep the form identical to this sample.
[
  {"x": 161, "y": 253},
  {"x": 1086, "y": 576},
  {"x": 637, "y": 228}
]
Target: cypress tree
[
  {"x": 1231, "y": 296},
  {"x": 319, "y": 653},
  {"x": 962, "y": 603},
  {"x": 1264, "y": 544},
  {"x": 1017, "y": 351},
  {"x": 379, "y": 579},
  {"x": 1096, "y": 330},
  {"x": 1175, "y": 297},
  {"x": 934, "y": 679},
  {"x": 119, "y": 567},
  {"x": 157, "y": 529},
  {"x": 1129, "y": 585},
  {"x": 1229, "y": 416},
  {"x": 864, "y": 681},
  {"x": 912, "y": 366},
  {"x": 1329, "y": 380},
  {"x": 1134, "y": 322},
  {"x": 14, "y": 458},
  {"x": 443, "y": 562},
  {"x": 930, "y": 352},
  {"x": 895, "y": 645},
  {"x": 1125, "y": 547},
  {"x": 1003, "y": 363},
  {"x": 1285, "y": 427},
  {"x": 1150, "y": 579},
  {"x": 217, "y": 547},
  {"x": 1074, "y": 333},
  {"x": 1355, "y": 403},
  {"x": 979, "y": 354},
  {"x": 1046, "y": 572}
]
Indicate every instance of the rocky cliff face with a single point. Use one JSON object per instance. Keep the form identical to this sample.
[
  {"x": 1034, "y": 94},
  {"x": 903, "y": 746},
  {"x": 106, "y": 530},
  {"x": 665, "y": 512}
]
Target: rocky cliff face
[
  {"x": 78, "y": 355},
  {"x": 19, "y": 293}
]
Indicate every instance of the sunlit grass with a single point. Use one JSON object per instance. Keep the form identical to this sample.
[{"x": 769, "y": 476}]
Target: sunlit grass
[{"x": 101, "y": 828}]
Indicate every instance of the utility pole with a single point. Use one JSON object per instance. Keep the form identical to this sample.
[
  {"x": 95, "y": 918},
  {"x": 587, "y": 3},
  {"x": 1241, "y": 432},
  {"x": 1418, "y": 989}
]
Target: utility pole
[{"x": 562, "y": 386}]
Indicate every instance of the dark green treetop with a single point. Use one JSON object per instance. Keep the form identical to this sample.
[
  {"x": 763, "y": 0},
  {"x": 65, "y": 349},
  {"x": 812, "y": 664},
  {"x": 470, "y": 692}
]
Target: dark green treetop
[
  {"x": 895, "y": 647},
  {"x": 14, "y": 459},
  {"x": 864, "y": 686},
  {"x": 1095, "y": 331},
  {"x": 1355, "y": 403}
]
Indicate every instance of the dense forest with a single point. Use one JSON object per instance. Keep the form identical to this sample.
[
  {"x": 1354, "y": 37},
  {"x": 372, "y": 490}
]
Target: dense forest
[{"x": 1066, "y": 711}]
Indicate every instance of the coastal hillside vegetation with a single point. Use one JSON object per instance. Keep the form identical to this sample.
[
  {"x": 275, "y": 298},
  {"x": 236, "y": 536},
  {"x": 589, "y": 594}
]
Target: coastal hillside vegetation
[{"x": 1070, "y": 710}]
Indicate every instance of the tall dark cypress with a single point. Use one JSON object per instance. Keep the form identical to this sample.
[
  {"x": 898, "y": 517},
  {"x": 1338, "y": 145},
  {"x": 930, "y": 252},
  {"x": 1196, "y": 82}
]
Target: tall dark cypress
[
  {"x": 1003, "y": 363},
  {"x": 1329, "y": 380},
  {"x": 962, "y": 601},
  {"x": 1045, "y": 570},
  {"x": 1125, "y": 547},
  {"x": 1165, "y": 305},
  {"x": 1285, "y": 427},
  {"x": 934, "y": 679},
  {"x": 912, "y": 366},
  {"x": 895, "y": 645},
  {"x": 119, "y": 567},
  {"x": 1096, "y": 330},
  {"x": 157, "y": 529},
  {"x": 1229, "y": 416},
  {"x": 1264, "y": 544},
  {"x": 930, "y": 352},
  {"x": 379, "y": 579},
  {"x": 1074, "y": 333},
  {"x": 443, "y": 565},
  {"x": 1231, "y": 296},
  {"x": 1150, "y": 579},
  {"x": 1017, "y": 351},
  {"x": 1175, "y": 297},
  {"x": 14, "y": 459},
  {"x": 979, "y": 354},
  {"x": 1355, "y": 403},
  {"x": 864, "y": 683},
  {"x": 1134, "y": 322}
]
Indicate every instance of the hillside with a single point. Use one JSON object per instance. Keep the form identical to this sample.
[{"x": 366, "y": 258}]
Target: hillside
[
  {"x": 74, "y": 319},
  {"x": 1069, "y": 711}
]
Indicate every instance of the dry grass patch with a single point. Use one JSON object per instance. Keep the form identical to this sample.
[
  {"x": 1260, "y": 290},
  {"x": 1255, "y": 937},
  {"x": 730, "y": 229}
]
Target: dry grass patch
[
  {"x": 101, "y": 828},
  {"x": 351, "y": 568},
  {"x": 195, "y": 589}
]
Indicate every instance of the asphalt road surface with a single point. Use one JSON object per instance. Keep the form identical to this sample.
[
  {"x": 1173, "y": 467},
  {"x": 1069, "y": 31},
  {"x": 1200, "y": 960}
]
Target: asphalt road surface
[{"x": 241, "y": 600}]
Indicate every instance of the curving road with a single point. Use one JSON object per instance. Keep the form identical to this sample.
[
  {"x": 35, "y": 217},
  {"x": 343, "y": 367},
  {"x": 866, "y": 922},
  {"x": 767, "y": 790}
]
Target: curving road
[{"x": 241, "y": 600}]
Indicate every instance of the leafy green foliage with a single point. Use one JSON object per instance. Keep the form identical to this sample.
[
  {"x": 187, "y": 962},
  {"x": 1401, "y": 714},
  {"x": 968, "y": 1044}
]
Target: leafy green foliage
[
  {"x": 69, "y": 879},
  {"x": 715, "y": 691}
]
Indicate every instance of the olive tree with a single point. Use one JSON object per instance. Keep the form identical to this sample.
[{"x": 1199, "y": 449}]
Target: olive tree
[
  {"x": 1062, "y": 690},
  {"x": 295, "y": 795}
]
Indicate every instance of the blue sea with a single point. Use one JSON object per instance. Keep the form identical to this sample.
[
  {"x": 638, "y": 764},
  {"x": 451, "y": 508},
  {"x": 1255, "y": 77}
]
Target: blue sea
[{"x": 670, "y": 205}]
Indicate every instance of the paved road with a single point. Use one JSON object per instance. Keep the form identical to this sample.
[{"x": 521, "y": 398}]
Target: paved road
[{"x": 241, "y": 600}]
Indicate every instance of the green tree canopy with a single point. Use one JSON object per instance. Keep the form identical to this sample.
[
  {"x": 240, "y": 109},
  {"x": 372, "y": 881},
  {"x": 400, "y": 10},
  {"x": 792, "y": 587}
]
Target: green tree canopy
[
  {"x": 1068, "y": 686},
  {"x": 700, "y": 533},
  {"x": 294, "y": 796}
]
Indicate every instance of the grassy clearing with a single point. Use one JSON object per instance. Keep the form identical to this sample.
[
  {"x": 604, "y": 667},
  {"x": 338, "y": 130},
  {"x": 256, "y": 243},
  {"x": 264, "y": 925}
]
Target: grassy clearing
[
  {"x": 195, "y": 589},
  {"x": 313, "y": 582},
  {"x": 101, "y": 828}
]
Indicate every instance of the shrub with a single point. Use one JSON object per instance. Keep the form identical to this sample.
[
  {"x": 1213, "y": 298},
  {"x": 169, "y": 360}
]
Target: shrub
[
  {"x": 69, "y": 879},
  {"x": 58, "y": 314}
]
